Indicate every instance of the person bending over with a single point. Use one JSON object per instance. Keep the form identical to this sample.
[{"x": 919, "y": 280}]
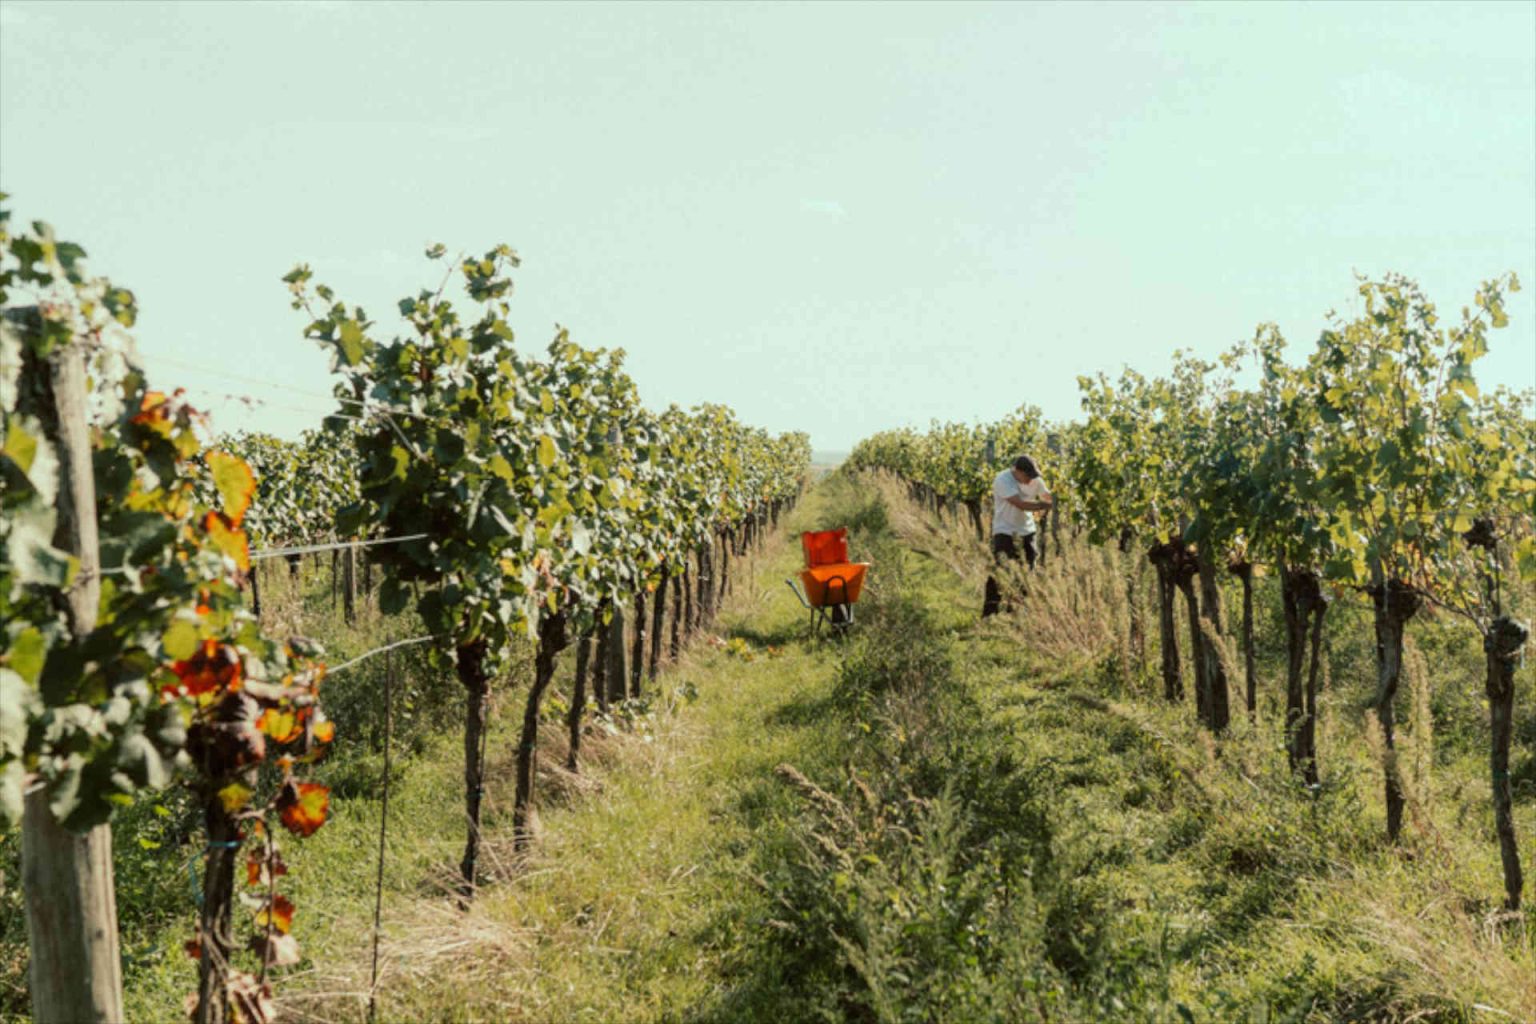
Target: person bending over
[{"x": 1017, "y": 494}]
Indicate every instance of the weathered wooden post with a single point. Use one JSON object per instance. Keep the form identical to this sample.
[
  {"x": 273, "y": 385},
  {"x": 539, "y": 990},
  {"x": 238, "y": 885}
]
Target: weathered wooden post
[{"x": 75, "y": 972}]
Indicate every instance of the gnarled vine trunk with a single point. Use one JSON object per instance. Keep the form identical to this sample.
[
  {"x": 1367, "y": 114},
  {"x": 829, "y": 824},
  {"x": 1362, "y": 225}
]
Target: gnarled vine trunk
[
  {"x": 578, "y": 700},
  {"x": 1502, "y": 646},
  {"x": 658, "y": 622},
  {"x": 600, "y": 660},
  {"x": 1244, "y": 572},
  {"x": 349, "y": 584},
  {"x": 1298, "y": 589},
  {"x": 616, "y": 671},
  {"x": 637, "y": 648},
  {"x": 1301, "y": 593},
  {"x": 706, "y": 602},
  {"x": 725, "y": 563},
  {"x": 1055, "y": 525},
  {"x": 689, "y": 622},
  {"x": 1395, "y": 603},
  {"x": 552, "y": 640},
  {"x": 469, "y": 661},
  {"x": 215, "y": 917},
  {"x": 1314, "y": 671},
  {"x": 1218, "y": 692},
  {"x": 973, "y": 506},
  {"x": 679, "y": 587},
  {"x": 1162, "y": 558},
  {"x": 1184, "y": 573}
]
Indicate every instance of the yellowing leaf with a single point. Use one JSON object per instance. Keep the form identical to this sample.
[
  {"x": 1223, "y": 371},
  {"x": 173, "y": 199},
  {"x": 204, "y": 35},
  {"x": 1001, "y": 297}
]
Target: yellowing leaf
[
  {"x": 229, "y": 539},
  {"x": 350, "y": 342},
  {"x": 236, "y": 484},
  {"x": 234, "y": 797},
  {"x": 280, "y": 724},
  {"x": 547, "y": 451},
  {"x": 181, "y": 640},
  {"x": 20, "y": 446},
  {"x": 324, "y": 731}
]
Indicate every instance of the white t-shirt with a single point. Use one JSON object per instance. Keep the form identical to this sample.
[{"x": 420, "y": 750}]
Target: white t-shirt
[{"x": 1005, "y": 517}]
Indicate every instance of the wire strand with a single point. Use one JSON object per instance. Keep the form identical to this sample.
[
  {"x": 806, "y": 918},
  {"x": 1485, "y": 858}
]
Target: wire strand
[
  {"x": 330, "y": 671},
  {"x": 310, "y": 549},
  {"x": 366, "y": 404}
]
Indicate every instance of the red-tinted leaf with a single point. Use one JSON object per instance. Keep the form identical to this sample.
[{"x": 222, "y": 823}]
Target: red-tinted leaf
[
  {"x": 256, "y": 869},
  {"x": 214, "y": 667},
  {"x": 303, "y": 806},
  {"x": 280, "y": 912},
  {"x": 154, "y": 413}
]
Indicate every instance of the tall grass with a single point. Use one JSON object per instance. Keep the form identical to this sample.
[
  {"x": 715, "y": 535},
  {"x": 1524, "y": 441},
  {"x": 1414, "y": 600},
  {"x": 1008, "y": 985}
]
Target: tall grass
[{"x": 1173, "y": 874}]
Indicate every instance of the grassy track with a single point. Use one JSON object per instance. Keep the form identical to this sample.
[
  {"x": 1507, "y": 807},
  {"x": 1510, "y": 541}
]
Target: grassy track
[
  {"x": 632, "y": 905},
  {"x": 977, "y": 821}
]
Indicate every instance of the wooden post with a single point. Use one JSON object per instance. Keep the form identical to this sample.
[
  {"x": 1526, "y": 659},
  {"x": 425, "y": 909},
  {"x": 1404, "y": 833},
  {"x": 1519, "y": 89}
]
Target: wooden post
[{"x": 75, "y": 972}]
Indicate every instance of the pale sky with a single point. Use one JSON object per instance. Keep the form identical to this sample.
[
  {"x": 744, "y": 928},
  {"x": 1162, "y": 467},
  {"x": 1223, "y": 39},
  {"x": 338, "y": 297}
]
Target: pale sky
[{"x": 832, "y": 218}]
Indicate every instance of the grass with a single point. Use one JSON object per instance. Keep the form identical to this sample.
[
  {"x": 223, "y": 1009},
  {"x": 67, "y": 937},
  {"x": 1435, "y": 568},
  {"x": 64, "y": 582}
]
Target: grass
[{"x": 939, "y": 820}]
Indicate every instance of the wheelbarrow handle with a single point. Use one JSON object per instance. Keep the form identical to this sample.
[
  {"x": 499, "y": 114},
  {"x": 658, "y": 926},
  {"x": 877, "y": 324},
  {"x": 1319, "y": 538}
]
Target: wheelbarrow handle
[{"x": 796, "y": 591}]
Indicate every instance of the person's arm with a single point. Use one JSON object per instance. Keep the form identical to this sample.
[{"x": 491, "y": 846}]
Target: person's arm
[
  {"x": 1029, "y": 506},
  {"x": 1041, "y": 502}
]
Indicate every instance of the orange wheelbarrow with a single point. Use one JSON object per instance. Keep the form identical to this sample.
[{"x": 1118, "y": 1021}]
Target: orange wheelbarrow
[{"x": 831, "y": 583}]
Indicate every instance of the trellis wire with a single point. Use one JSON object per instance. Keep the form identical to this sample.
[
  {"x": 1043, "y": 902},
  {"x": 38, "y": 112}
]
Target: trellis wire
[
  {"x": 379, "y": 650},
  {"x": 310, "y": 549},
  {"x": 367, "y": 404}
]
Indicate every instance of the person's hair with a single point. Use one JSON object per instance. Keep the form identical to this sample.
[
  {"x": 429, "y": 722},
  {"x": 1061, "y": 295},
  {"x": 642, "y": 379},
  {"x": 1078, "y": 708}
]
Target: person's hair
[{"x": 1026, "y": 465}]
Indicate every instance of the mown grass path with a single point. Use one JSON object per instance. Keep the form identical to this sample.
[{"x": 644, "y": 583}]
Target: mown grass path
[{"x": 636, "y": 901}]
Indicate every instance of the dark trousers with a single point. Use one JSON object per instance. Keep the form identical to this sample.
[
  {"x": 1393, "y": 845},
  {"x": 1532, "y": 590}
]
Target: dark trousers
[{"x": 1006, "y": 546}]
